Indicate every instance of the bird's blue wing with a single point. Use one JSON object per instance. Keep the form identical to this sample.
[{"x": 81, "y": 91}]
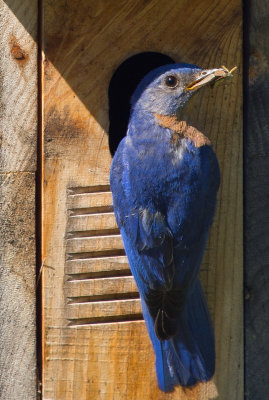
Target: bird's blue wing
[
  {"x": 147, "y": 231},
  {"x": 149, "y": 245}
]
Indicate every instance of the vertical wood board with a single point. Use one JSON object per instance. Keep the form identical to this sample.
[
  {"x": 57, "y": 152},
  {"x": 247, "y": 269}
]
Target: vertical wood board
[
  {"x": 18, "y": 130},
  {"x": 95, "y": 342},
  {"x": 256, "y": 225}
]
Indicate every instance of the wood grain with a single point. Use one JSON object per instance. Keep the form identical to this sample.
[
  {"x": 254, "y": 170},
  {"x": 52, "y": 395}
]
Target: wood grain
[
  {"x": 256, "y": 200},
  {"x": 18, "y": 86},
  {"x": 84, "y": 42},
  {"x": 18, "y": 128}
]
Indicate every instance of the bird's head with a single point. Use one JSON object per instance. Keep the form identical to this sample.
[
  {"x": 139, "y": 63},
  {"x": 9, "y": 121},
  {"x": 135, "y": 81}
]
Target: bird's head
[{"x": 166, "y": 89}]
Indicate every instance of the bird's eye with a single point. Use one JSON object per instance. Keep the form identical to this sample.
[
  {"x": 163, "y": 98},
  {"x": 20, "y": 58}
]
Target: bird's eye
[{"x": 171, "y": 81}]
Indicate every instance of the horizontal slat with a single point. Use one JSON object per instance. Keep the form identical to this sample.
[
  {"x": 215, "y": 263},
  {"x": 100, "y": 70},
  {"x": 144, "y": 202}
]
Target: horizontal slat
[
  {"x": 99, "y": 243},
  {"x": 109, "y": 264},
  {"x": 85, "y": 200},
  {"x": 97, "y": 265},
  {"x": 104, "y": 309},
  {"x": 100, "y": 287},
  {"x": 104, "y": 264},
  {"x": 92, "y": 222}
]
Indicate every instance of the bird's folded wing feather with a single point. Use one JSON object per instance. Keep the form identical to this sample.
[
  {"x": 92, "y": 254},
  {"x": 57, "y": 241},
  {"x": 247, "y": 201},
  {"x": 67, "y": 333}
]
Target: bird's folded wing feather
[{"x": 147, "y": 232}]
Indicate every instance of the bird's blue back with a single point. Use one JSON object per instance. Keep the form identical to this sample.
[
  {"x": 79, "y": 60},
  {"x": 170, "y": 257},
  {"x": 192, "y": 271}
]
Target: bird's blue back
[{"x": 164, "y": 195}]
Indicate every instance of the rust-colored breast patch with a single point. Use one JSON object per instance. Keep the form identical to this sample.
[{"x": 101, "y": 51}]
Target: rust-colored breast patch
[{"x": 183, "y": 129}]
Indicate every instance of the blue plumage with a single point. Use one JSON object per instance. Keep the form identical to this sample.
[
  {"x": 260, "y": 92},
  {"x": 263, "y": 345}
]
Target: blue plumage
[{"x": 164, "y": 180}]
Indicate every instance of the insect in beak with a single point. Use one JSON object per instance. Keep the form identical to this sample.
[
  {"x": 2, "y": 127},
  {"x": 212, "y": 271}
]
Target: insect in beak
[{"x": 210, "y": 76}]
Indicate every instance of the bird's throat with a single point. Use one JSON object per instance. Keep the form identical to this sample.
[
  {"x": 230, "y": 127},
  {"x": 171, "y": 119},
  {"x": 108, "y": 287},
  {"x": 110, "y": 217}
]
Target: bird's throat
[{"x": 181, "y": 128}]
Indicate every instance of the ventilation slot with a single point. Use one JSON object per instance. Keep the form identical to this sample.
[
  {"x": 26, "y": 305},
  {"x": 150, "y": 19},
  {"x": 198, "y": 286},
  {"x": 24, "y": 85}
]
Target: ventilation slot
[{"x": 99, "y": 286}]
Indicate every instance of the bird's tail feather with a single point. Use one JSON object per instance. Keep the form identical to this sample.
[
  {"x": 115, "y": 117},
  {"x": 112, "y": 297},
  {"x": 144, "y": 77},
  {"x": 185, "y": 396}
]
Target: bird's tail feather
[{"x": 189, "y": 356}]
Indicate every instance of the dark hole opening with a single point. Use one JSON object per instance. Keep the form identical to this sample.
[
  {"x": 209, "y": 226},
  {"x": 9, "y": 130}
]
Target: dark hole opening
[{"x": 122, "y": 85}]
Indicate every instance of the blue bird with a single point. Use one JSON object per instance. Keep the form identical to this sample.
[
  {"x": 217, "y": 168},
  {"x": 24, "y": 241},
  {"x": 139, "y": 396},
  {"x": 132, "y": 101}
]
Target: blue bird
[{"x": 164, "y": 180}]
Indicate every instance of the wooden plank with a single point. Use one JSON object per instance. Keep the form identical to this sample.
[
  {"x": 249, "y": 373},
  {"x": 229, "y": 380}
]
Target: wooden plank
[
  {"x": 91, "y": 201},
  {"x": 101, "y": 287},
  {"x": 256, "y": 200},
  {"x": 97, "y": 222},
  {"x": 84, "y": 43},
  {"x": 18, "y": 126},
  {"x": 18, "y": 85},
  {"x": 97, "y": 265},
  {"x": 103, "y": 310},
  {"x": 17, "y": 287},
  {"x": 78, "y": 245}
]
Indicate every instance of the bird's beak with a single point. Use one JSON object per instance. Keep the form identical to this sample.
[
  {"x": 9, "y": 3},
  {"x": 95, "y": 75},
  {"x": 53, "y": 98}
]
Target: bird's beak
[{"x": 209, "y": 76}]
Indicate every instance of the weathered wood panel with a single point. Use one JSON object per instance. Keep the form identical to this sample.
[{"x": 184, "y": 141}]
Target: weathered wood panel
[
  {"x": 18, "y": 127},
  {"x": 257, "y": 199},
  {"x": 84, "y": 42}
]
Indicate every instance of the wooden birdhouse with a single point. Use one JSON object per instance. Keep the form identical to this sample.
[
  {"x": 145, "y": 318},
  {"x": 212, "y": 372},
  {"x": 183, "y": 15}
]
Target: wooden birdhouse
[
  {"x": 94, "y": 340},
  {"x": 94, "y": 337}
]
